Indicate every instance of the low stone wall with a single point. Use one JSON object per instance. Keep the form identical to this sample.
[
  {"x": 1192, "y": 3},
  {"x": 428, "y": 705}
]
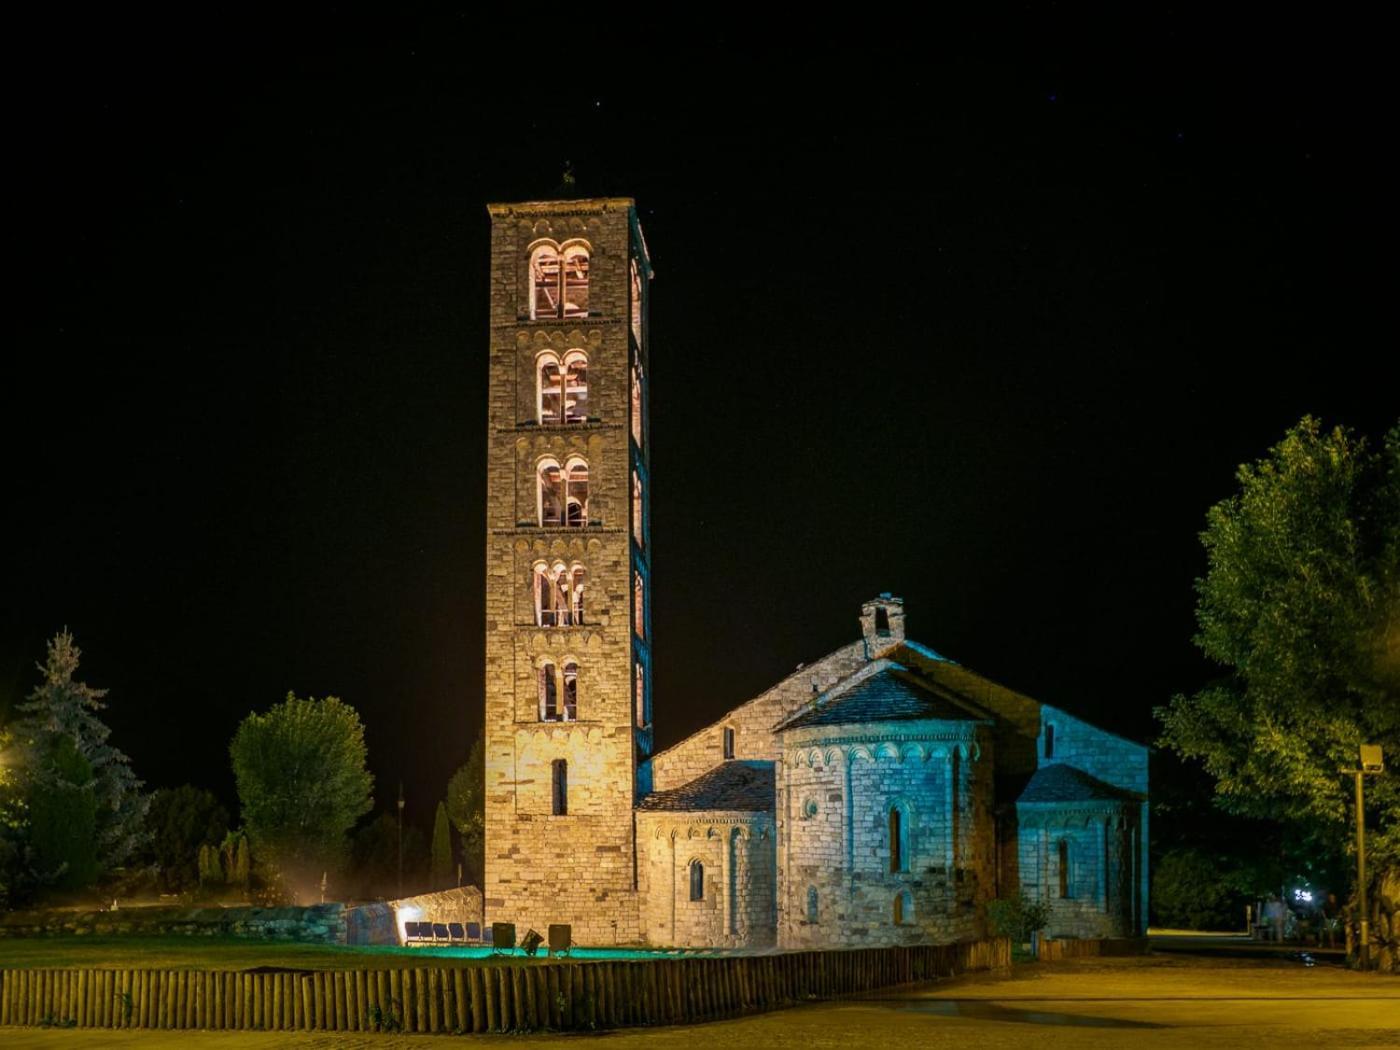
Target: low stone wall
[
  {"x": 1048, "y": 950},
  {"x": 318, "y": 923},
  {"x": 508, "y": 998}
]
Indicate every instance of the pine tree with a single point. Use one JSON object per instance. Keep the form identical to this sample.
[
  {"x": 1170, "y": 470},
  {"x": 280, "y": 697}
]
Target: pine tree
[
  {"x": 442, "y": 849},
  {"x": 61, "y": 707}
]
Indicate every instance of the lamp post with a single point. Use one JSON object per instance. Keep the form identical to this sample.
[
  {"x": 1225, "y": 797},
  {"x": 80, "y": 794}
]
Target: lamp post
[
  {"x": 400, "y": 840},
  {"x": 1372, "y": 763}
]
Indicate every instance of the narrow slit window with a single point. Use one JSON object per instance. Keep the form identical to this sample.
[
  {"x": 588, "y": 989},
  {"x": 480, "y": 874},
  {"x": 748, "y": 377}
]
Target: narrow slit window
[
  {"x": 728, "y": 743},
  {"x": 898, "y": 859},
  {"x": 639, "y": 604},
  {"x": 697, "y": 881},
  {"x": 637, "y": 508},
  {"x": 1049, "y": 740},
  {"x": 637, "y": 404},
  {"x": 1066, "y": 885},
  {"x": 639, "y": 685},
  {"x": 812, "y": 910},
  {"x": 903, "y": 908},
  {"x": 559, "y": 770}
]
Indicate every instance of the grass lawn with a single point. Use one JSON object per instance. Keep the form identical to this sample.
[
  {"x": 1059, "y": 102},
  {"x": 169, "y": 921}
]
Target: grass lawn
[{"x": 231, "y": 953}]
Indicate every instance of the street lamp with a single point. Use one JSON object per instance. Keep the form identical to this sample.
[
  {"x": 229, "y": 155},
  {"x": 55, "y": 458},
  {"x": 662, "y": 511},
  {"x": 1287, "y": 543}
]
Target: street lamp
[
  {"x": 400, "y": 840},
  {"x": 1372, "y": 763}
]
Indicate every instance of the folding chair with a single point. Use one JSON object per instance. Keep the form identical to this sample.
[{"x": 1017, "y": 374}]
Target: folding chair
[
  {"x": 502, "y": 937},
  {"x": 440, "y": 934},
  {"x": 474, "y": 932},
  {"x": 561, "y": 938},
  {"x": 410, "y": 932},
  {"x": 532, "y": 943},
  {"x": 455, "y": 931}
]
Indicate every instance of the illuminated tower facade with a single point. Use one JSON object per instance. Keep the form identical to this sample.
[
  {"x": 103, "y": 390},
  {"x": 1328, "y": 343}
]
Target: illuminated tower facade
[{"x": 568, "y": 583}]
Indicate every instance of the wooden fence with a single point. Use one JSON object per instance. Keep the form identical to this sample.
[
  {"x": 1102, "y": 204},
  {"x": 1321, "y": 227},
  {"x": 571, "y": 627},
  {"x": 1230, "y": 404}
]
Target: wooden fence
[
  {"x": 1047, "y": 950},
  {"x": 498, "y": 998}
]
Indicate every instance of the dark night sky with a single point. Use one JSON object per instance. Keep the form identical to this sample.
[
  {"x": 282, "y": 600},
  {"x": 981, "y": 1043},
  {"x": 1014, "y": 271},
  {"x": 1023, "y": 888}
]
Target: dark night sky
[{"x": 988, "y": 326}]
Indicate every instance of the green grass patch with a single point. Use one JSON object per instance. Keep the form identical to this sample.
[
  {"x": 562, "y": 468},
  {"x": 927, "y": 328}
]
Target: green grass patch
[{"x": 222, "y": 953}]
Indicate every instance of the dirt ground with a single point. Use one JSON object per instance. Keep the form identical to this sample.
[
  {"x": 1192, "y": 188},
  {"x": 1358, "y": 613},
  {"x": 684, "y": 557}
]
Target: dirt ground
[{"x": 1152, "y": 1001}]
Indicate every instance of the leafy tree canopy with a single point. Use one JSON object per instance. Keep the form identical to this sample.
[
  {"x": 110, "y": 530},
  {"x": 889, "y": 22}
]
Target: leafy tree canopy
[
  {"x": 302, "y": 783},
  {"x": 1300, "y": 604},
  {"x": 180, "y": 821}
]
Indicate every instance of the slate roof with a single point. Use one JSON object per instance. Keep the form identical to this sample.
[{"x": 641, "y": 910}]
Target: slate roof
[
  {"x": 1061, "y": 783},
  {"x": 743, "y": 786},
  {"x": 894, "y": 694}
]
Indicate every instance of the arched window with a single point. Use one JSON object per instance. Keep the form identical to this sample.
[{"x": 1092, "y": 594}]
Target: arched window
[
  {"x": 903, "y": 908},
  {"x": 575, "y": 386},
  {"x": 812, "y": 904},
  {"x": 639, "y": 679},
  {"x": 551, "y": 496},
  {"x": 899, "y": 839},
  {"x": 559, "y": 282},
  {"x": 697, "y": 881},
  {"x": 548, "y": 390},
  {"x": 570, "y": 692},
  {"x": 549, "y": 694},
  {"x": 576, "y": 493},
  {"x": 637, "y": 508},
  {"x": 559, "y": 594},
  {"x": 639, "y": 604},
  {"x": 637, "y": 403},
  {"x": 882, "y": 622}
]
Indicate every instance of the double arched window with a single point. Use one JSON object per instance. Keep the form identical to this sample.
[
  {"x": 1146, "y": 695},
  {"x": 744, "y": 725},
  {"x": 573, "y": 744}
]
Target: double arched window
[
  {"x": 558, "y": 696},
  {"x": 559, "y": 594},
  {"x": 561, "y": 388},
  {"x": 563, "y": 493},
  {"x": 558, "y": 281}
]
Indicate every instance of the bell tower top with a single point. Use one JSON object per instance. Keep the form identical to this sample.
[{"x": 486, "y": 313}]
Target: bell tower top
[{"x": 882, "y": 624}]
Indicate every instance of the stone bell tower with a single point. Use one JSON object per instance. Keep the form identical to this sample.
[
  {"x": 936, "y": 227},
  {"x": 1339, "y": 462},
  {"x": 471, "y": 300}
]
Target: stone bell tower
[{"x": 568, "y": 580}]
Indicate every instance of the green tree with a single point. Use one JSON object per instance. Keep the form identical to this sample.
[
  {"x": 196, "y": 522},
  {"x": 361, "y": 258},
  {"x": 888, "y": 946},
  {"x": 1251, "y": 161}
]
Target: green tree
[
  {"x": 1300, "y": 605},
  {"x": 62, "y": 707},
  {"x": 466, "y": 808},
  {"x": 442, "y": 874},
  {"x": 180, "y": 823},
  {"x": 375, "y": 854},
  {"x": 63, "y": 818},
  {"x": 302, "y": 784}
]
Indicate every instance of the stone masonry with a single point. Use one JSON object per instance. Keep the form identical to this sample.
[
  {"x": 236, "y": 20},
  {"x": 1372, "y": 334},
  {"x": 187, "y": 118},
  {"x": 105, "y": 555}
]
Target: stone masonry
[
  {"x": 576, "y": 867},
  {"x": 882, "y": 794}
]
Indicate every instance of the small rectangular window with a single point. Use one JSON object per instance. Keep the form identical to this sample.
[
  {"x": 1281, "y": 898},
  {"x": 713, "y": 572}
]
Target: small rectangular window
[
  {"x": 729, "y": 743},
  {"x": 560, "y": 770}
]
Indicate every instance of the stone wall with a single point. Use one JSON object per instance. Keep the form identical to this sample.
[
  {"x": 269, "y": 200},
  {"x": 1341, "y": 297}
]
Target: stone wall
[
  {"x": 318, "y": 923},
  {"x": 578, "y": 867},
  {"x": 753, "y": 721},
  {"x": 836, "y": 786},
  {"x": 1098, "y": 886},
  {"x": 738, "y": 854}
]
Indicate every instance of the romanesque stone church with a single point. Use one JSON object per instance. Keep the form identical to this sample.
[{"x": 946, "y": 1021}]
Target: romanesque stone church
[{"x": 880, "y": 795}]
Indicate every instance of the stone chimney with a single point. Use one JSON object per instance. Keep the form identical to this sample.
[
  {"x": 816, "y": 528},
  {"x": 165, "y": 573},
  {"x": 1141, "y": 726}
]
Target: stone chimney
[{"x": 882, "y": 624}]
